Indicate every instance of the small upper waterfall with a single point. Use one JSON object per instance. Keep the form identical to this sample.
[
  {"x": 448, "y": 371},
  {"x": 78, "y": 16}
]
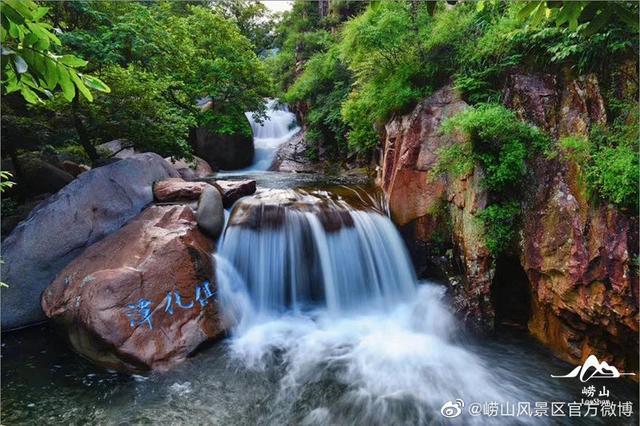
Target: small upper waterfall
[{"x": 278, "y": 127}]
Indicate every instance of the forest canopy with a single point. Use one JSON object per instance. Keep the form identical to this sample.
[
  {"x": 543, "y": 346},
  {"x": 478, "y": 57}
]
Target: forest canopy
[
  {"x": 157, "y": 60},
  {"x": 144, "y": 70}
]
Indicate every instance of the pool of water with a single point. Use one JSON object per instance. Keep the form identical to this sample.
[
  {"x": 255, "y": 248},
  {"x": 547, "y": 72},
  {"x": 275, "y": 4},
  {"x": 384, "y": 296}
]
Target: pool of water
[{"x": 43, "y": 382}]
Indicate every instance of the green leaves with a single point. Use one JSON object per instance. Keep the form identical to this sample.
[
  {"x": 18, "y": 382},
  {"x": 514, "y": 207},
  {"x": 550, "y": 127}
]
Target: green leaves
[
  {"x": 28, "y": 64},
  {"x": 589, "y": 17}
]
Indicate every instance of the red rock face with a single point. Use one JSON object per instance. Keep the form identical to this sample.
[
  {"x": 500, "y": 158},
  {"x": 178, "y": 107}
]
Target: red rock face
[
  {"x": 118, "y": 301},
  {"x": 410, "y": 152},
  {"x": 576, "y": 255},
  {"x": 574, "y": 250}
]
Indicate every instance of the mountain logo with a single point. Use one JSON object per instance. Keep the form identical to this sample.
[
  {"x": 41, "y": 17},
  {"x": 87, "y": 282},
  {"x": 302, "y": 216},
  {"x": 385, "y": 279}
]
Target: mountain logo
[{"x": 593, "y": 369}]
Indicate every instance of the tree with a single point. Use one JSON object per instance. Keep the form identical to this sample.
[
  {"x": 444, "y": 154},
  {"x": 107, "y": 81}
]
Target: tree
[{"x": 29, "y": 64}]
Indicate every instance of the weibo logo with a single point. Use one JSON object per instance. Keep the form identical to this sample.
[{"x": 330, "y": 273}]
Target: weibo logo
[{"x": 593, "y": 369}]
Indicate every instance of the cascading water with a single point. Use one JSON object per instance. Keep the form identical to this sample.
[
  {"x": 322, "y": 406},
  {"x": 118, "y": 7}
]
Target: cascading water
[
  {"x": 278, "y": 127},
  {"x": 327, "y": 291}
]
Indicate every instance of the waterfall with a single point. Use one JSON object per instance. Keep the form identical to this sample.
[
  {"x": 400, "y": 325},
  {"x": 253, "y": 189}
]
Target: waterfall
[
  {"x": 278, "y": 127},
  {"x": 297, "y": 250},
  {"x": 320, "y": 287}
]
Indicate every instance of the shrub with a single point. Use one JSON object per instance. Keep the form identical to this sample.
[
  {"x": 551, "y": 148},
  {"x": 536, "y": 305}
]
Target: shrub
[
  {"x": 500, "y": 143},
  {"x": 500, "y": 222}
]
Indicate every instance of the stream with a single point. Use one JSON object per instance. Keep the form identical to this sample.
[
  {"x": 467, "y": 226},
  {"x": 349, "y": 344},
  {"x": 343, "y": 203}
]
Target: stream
[{"x": 331, "y": 327}]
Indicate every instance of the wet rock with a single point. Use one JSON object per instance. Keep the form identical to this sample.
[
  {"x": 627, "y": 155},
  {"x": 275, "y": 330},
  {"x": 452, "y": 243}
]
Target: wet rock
[
  {"x": 534, "y": 98},
  {"x": 210, "y": 213},
  {"x": 194, "y": 169},
  {"x": 561, "y": 106},
  {"x": 410, "y": 152},
  {"x": 581, "y": 106},
  {"x": 226, "y": 152},
  {"x": 94, "y": 205},
  {"x": 293, "y": 157},
  {"x": 118, "y": 301},
  {"x": 430, "y": 205},
  {"x": 177, "y": 189},
  {"x": 74, "y": 169},
  {"x": 233, "y": 190},
  {"x": 576, "y": 254}
]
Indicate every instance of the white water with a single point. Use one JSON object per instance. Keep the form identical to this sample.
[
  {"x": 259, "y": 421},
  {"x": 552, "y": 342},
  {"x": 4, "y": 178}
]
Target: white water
[
  {"x": 279, "y": 126},
  {"x": 343, "y": 308}
]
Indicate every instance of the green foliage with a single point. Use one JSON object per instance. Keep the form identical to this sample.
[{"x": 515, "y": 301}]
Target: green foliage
[
  {"x": 609, "y": 158},
  {"x": 589, "y": 17},
  {"x": 5, "y": 180},
  {"x": 500, "y": 143},
  {"x": 160, "y": 58},
  {"x": 381, "y": 47},
  {"x": 139, "y": 111},
  {"x": 324, "y": 86},
  {"x": 30, "y": 63},
  {"x": 457, "y": 160},
  {"x": 252, "y": 18},
  {"x": 500, "y": 222}
]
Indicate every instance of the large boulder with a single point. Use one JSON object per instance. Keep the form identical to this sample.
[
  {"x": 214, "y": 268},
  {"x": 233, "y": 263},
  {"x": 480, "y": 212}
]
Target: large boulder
[
  {"x": 195, "y": 169},
  {"x": 141, "y": 298},
  {"x": 40, "y": 177},
  {"x": 118, "y": 148},
  {"x": 95, "y": 204},
  {"x": 225, "y": 152}
]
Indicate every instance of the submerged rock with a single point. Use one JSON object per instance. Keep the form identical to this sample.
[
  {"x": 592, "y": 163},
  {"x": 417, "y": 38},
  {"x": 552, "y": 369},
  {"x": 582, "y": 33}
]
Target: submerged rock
[
  {"x": 233, "y": 190},
  {"x": 94, "y": 205},
  {"x": 142, "y": 298}
]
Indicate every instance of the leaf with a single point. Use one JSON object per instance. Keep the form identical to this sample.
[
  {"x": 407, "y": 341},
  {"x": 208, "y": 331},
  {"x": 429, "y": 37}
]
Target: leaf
[
  {"x": 21, "y": 65},
  {"x": 51, "y": 73},
  {"x": 72, "y": 61},
  {"x": 480, "y": 5},
  {"x": 40, "y": 12},
  {"x": 597, "y": 23},
  {"x": 96, "y": 84},
  {"x": 627, "y": 16},
  {"x": 528, "y": 9},
  {"x": 29, "y": 95},
  {"x": 23, "y": 7},
  {"x": 68, "y": 88},
  {"x": 81, "y": 86}
]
